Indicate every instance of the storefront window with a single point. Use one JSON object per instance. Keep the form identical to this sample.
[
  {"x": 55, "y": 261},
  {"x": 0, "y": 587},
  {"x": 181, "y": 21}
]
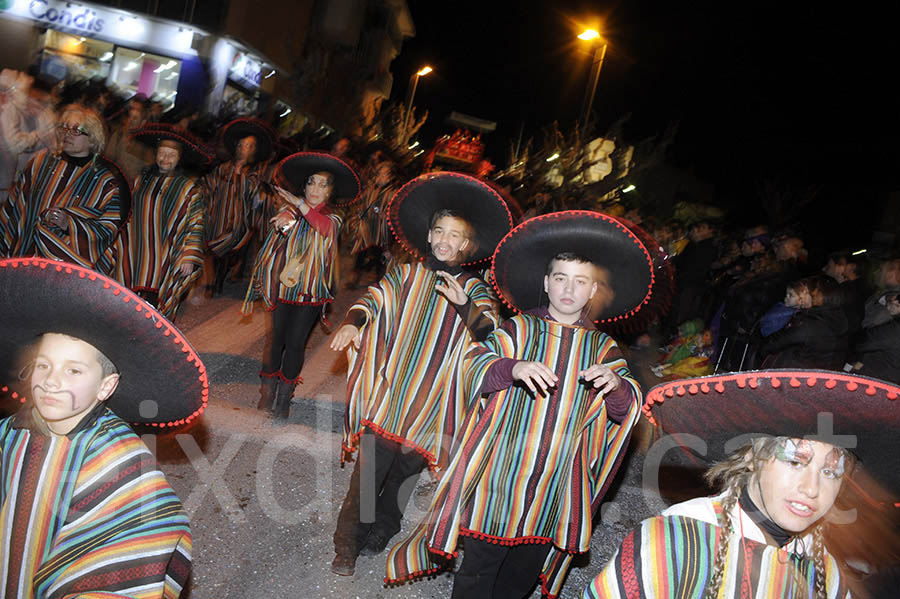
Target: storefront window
[
  {"x": 75, "y": 57},
  {"x": 152, "y": 75},
  {"x": 238, "y": 102}
]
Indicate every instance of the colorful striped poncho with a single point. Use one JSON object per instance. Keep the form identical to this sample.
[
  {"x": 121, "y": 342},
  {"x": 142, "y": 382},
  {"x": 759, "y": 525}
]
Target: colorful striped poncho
[
  {"x": 87, "y": 193},
  {"x": 87, "y": 515},
  {"x": 370, "y": 226},
  {"x": 164, "y": 232},
  {"x": 319, "y": 275},
  {"x": 401, "y": 382},
  {"x": 231, "y": 194},
  {"x": 671, "y": 556},
  {"x": 527, "y": 469}
]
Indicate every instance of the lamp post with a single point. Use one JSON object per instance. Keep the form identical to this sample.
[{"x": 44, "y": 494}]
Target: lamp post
[
  {"x": 420, "y": 73},
  {"x": 597, "y": 56}
]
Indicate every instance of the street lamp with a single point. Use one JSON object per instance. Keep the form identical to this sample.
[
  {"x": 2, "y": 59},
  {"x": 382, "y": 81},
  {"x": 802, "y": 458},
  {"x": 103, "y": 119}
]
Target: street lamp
[
  {"x": 599, "y": 53},
  {"x": 420, "y": 73}
]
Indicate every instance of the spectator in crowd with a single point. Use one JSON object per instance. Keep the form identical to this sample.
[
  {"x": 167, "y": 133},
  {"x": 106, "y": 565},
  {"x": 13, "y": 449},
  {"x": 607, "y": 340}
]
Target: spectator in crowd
[
  {"x": 847, "y": 270},
  {"x": 815, "y": 336},
  {"x": 692, "y": 268},
  {"x": 887, "y": 279},
  {"x": 878, "y": 349}
]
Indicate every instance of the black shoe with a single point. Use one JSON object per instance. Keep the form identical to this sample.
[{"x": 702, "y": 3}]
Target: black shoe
[
  {"x": 375, "y": 544},
  {"x": 343, "y": 565}
]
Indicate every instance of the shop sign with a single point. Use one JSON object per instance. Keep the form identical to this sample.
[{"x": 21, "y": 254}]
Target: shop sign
[
  {"x": 94, "y": 21},
  {"x": 245, "y": 70}
]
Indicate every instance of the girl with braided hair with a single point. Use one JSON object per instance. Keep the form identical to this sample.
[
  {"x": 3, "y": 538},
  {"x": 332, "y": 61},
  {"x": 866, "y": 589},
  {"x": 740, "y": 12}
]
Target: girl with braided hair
[{"x": 763, "y": 535}]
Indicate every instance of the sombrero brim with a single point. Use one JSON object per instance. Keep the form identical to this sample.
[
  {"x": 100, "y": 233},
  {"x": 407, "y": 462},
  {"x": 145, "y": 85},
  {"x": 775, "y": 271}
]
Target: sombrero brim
[
  {"x": 238, "y": 129},
  {"x": 522, "y": 256},
  {"x": 411, "y": 209},
  {"x": 193, "y": 152},
  {"x": 295, "y": 169},
  {"x": 163, "y": 381},
  {"x": 727, "y": 410}
]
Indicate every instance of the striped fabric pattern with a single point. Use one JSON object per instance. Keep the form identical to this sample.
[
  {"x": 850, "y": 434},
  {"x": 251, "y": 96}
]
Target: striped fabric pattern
[
  {"x": 370, "y": 225},
  {"x": 88, "y": 196},
  {"x": 231, "y": 194},
  {"x": 401, "y": 382},
  {"x": 319, "y": 276},
  {"x": 672, "y": 557},
  {"x": 164, "y": 232},
  {"x": 527, "y": 469},
  {"x": 88, "y": 515}
]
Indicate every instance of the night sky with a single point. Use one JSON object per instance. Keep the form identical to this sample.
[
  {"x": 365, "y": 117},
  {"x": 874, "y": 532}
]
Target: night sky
[{"x": 792, "y": 91}]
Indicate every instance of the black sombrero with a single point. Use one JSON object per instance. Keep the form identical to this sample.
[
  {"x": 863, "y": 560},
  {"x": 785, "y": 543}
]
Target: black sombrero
[
  {"x": 238, "y": 129},
  {"x": 293, "y": 171},
  {"x": 163, "y": 381},
  {"x": 412, "y": 207},
  {"x": 858, "y": 413},
  {"x": 522, "y": 256},
  {"x": 193, "y": 151}
]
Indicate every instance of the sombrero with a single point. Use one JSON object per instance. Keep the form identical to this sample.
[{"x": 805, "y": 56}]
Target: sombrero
[
  {"x": 193, "y": 152},
  {"x": 238, "y": 129},
  {"x": 725, "y": 411},
  {"x": 522, "y": 256},
  {"x": 294, "y": 170},
  {"x": 163, "y": 381},
  {"x": 411, "y": 209}
]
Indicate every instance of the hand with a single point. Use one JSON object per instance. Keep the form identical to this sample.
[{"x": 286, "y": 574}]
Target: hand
[
  {"x": 186, "y": 269},
  {"x": 55, "y": 217},
  {"x": 603, "y": 378},
  {"x": 282, "y": 220},
  {"x": 290, "y": 198},
  {"x": 450, "y": 288},
  {"x": 345, "y": 335},
  {"x": 534, "y": 375}
]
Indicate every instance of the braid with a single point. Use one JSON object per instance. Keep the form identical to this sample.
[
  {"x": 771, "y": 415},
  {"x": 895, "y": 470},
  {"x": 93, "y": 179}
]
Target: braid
[
  {"x": 821, "y": 589},
  {"x": 720, "y": 562}
]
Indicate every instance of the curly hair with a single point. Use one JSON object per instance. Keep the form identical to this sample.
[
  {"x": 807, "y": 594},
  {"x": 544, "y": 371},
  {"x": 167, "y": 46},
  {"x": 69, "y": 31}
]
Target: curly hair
[{"x": 91, "y": 122}]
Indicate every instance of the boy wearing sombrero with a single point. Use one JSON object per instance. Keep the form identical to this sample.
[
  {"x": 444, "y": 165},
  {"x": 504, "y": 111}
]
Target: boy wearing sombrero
[
  {"x": 159, "y": 253},
  {"x": 407, "y": 331},
  {"x": 535, "y": 455},
  {"x": 783, "y": 445},
  {"x": 84, "y": 510}
]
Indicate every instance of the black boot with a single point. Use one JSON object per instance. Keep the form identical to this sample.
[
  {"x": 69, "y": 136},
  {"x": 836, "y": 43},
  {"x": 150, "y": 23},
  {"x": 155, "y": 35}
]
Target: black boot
[
  {"x": 266, "y": 394},
  {"x": 284, "y": 391}
]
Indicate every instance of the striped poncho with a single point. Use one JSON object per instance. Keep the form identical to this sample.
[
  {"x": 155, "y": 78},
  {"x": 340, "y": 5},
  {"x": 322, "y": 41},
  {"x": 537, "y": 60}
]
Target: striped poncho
[
  {"x": 370, "y": 225},
  {"x": 527, "y": 469},
  {"x": 87, "y": 515},
  {"x": 401, "y": 382},
  {"x": 232, "y": 193},
  {"x": 87, "y": 193},
  {"x": 319, "y": 275},
  {"x": 671, "y": 556},
  {"x": 164, "y": 232}
]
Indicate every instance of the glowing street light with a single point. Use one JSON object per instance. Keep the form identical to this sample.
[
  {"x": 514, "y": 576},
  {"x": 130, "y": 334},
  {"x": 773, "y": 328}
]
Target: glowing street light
[
  {"x": 420, "y": 73},
  {"x": 599, "y": 53}
]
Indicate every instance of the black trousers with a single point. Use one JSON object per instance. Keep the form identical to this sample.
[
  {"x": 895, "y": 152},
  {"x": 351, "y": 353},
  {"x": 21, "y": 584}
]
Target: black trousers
[
  {"x": 291, "y": 326},
  {"x": 490, "y": 571},
  {"x": 382, "y": 482}
]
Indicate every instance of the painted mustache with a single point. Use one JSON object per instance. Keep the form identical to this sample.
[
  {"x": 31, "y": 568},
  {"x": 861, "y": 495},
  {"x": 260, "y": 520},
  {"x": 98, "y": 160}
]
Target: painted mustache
[{"x": 61, "y": 392}]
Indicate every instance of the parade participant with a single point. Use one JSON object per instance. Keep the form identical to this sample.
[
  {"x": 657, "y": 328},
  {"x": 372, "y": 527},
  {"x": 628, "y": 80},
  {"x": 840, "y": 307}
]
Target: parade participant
[
  {"x": 159, "y": 253},
  {"x": 84, "y": 509},
  {"x": 784, "y": 443},
  {"x": 372, "y": 233},
  {"x": 407, "y": 331},
  {"x": 234, "y": 188},
  {"x": 534, "y": 457},
  {"x": 122, "y": 148},
  {"x": 295, "y": 272},
  {"x": 67, "y": 204}
]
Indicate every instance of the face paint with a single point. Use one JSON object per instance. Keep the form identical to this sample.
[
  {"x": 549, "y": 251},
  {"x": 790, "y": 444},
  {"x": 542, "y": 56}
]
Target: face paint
[{"x": 794, "y": 450}]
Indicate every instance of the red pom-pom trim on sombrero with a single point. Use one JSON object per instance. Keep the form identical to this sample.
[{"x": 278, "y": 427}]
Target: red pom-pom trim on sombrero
[
  {"x": 255, "y": 127},
  {"x": 157, "y": 325},
  {"x": 149, "y": 131}
]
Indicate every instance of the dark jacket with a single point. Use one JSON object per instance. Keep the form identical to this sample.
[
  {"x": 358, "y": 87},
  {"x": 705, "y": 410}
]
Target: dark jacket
[
  {"x": 814, "y": 338},
  {"x": 879, "y": 351}
]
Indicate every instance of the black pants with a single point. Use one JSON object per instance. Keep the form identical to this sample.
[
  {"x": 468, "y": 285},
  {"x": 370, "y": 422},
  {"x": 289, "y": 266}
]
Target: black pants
[
  {"x": 291, "y": 326},
  {"x": 490, "y": 571},
  {"x": 382, "y": 482}
]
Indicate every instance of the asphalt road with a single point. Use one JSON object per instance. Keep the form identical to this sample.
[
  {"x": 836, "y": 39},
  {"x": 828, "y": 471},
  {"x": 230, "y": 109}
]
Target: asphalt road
[{"x": 263, "y": 499}]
